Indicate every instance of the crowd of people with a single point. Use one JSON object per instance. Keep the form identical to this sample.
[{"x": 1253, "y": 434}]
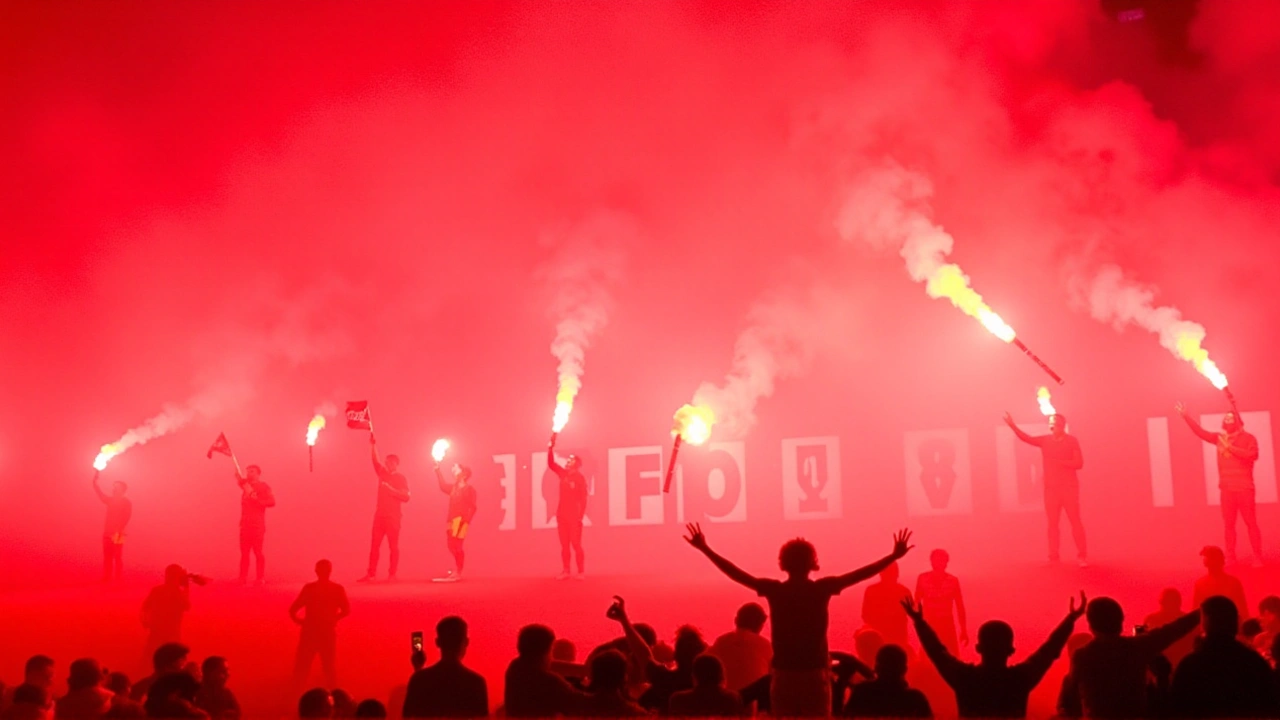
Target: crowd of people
[{"x": 1201, "y": 663}]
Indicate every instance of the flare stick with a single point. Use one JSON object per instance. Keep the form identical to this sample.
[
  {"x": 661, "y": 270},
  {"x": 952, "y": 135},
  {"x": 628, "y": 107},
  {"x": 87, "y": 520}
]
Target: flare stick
[
  {"x": 1036, "y": 359},
  {"x": 671, "y": 466}
]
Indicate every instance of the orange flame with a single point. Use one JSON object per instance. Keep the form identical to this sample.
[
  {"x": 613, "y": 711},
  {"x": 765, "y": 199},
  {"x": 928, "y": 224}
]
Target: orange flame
[
  {"x": 1189, "y": 349},
  {"x": 693, "y": 424},
  {"x": 438, "y": 449},
  {"x": 313, "y": 429},
  {"x": 950, "y": 282},
  {"x": 1046, "y": 406},
  {"x": 109, "y": 451}
]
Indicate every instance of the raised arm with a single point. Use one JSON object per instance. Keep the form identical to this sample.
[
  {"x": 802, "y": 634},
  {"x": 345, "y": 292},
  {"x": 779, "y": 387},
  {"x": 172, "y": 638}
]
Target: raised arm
[
  {"x": 961, "y": 616},
  {"x": 1159, "y": 639},
  {"x": 552, "y": 465},
  {"x": 378, "y": 467},
  {"x": 948, "y": 666},
  {"x": 1042, "y": 659},
  {"x": 901, "y": 545},
  {"x": 639, "y": 648},
  {"x": 1023, "y": 436},
  {"x": 1200, "y": 432},
  {"x": 734, "y": 573}
]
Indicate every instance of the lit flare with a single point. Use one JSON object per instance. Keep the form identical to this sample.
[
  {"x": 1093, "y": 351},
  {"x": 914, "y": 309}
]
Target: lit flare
[
  {"x": 950, "y": 282},
  {"x": 1189, "y": 349},
  {"x": 569, "y": 387},
  {"x": 693, "y": 423},
  {"x": 109, "y": 451},
  {"x": 313, "y": 429},
  {"x": 438, "y": 449},
  {"x": 1046, "y": 405}
]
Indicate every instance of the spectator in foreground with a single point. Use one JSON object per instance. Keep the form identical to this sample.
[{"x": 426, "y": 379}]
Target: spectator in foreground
[
  {"x": 448, "y": 688},
  {"x": 888, "y": 696},
  {"x": 168, "y": 659},
  {"x": 214, "y": 697},
  {"x": 30, "y": 702},
  {"x": 1068, "y": 694},
  {"x": 86, "y": 699},
  {"x": 993, "y": 688},
  {"x": 371, "y": 709},
  {"x": 122, "y": 708},
  {"x": 709, "y": 696},
  {"x": 1269, "y": 618},
  {"x": 608, "y": 698},
  {"x": 315, "y": 704},
  {"x": 532, "y": 690},
  {"x": 1223, "y": 678},
  {"x": 744, "y": 653},
  {"x": 173, "y": 696}
]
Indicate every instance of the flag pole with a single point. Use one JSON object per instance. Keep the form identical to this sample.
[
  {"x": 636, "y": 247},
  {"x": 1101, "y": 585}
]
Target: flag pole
[{"x": 237, "y": 464}]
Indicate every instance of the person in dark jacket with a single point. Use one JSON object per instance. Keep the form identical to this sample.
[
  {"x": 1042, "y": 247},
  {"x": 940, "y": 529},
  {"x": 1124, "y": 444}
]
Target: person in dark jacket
[{"x": 1223, "y": 678}]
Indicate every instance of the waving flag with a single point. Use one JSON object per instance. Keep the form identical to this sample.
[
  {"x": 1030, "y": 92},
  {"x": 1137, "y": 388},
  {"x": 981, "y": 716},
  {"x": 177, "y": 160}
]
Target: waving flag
[
  {"x": 220, "y": 446},
  {"x": 358, "y": 417}
]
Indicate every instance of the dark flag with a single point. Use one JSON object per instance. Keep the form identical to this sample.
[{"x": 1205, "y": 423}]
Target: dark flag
[
  {"x": 220, "y": 446},
  {"x": 358, "y": 417}
]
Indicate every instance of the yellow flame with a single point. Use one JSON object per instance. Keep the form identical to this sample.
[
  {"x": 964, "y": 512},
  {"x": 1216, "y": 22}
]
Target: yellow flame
[
  {"x": 693, "y": 424},
  {"x": 438, "y": 449},
  {"x": 109, "y": 451},
  {"x": 1189, "y": 349},
  {"x": 313, "y": 429},
  {"x": 564, "y": 402},
  {"x": 1046, "y": 406},
  {"x": 950, "y": 282}
]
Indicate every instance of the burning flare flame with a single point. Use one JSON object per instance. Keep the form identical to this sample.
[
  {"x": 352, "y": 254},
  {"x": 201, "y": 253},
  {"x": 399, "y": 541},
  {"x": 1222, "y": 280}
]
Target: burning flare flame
[
  {"x": 950, "y": 282},
  {"x": 564, "y": 402},
  {"x": 109, "y": 451},
  {"x": 1189, "y": 349},
  {"x": 313, "y": 429},
  {"x": 438, "y": 449},
  {"x": 693, "y": 424},
  {"x": 1046, "y": 406}
]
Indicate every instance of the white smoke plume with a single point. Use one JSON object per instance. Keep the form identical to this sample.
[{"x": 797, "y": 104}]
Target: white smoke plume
[{"x": 589, "y": 259}]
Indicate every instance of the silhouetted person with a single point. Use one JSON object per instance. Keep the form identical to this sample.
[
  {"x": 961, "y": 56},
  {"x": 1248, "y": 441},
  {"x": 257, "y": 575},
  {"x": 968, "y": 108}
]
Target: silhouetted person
[
  {"x": 371, "y": 709},
  {"x": 214, "y": 697},
  {"x": 168, "y": 659},
  {"x": 418, "y": 660},
  {"x": 663, "y": 681},
  {"x": 608, "y": 695},
  {"x": 1216, "y": 581},
  {"x": 744, "y": 654},
  {"x": 165, "y": 606},
  {"x": 993, "y": 688},
  {"x": 122, "y": 706},
  {"x": 709, "y": 696},
  {"x": 1061, "y": 458},
  {"x": 570, "y": 509},
  {"x": 531, "y": 689},
  {"x": 315, "y": 704},
  {"x": 1068, "y": 693},
  {"x": 40, "y": 671},
  {"x": 1111, "y": 672},
  {"x": 1170, "y": 610},
  {"x": 255, "y": 498},
  {"x": 882, "y": 607},
  {"x": 637, "y": 665},
  {"x": 173, "y": 696},
  {"x": 1223, "y": 678},
  {"x": 462, "y": 508},
  {"x": 1269, "y": 619},
  {"x": 799, "y": 605},
  {"x": 119, "y": 511},
  {"x": 939, "y": 592},
  {"x": 86, "y": 699},
  {"x": 393, "y": 491},
  {"x": 888, "y": 696},
  {"x": 1237, "y": 453},
  {"x": 344, "y": 706},
  {"x": 325, "y": 603},
  {"x": 448, "y": 688},
  {"x": 30, "y": 702}
]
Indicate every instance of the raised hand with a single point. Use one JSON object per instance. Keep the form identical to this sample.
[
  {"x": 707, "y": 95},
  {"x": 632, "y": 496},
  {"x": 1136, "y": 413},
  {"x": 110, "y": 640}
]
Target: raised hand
[
  {"x": 901, "y": 542},
  {"x": 695, "y": 537},
  {"x": 1181, "y": 408},
  {"x": 1076, "y": 612},
  {"x": 618, "y": 610},
  {"x": 1008, "y": 419},
  {"x": 914, "y": 611},
  {"x": 964, "y": 638}
]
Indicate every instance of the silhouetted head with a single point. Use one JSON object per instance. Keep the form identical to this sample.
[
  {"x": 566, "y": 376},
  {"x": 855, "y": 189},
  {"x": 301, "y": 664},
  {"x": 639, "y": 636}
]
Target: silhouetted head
[
  {"x": 119, "y": 488},
  {"x": 891, "y": 664},
  {"x": 1250, "y": 629},
  {"x": 1170, "y": 600},
  {"x": 451, "y": 637},
  {"x": 118, "y": 683},
  {"x": 393, "y": 462},
  {"x": 1105, "y": 616},
  {"x": 563, "y": 650},
  {"x": 689, "y": 645},
  {"x": 939, "y": 559},
  {"x": 344, "y": 706},
  {"x": 1269, "y": 611},
  {"x": 168, "y": 689},
  {"x": 534, "y": 642},
  {"x": 1232, "y": 422},
  {"x": 866, "y": 643},
  {"x": 28, "y": 694},
  {"x": 1214, "y": 559},
  {"x": 1058, "y": 424},
  {"x": 573, "y": 463},
  {"x": 1077, "y": 641},
  {"x": 461, "y": 473},
  {"x": 371, "y": 709},
  {"x": 170, "y": 657},
  {"x": 175, "y": 575},
  {"x": 324, "y": 569},
  {"x": 891, "y": 573},
  {"x": 995, "y": 642},
  {"x": 1220, "y": 618},
  {"x": 646, "y": 631},
  {"x": 315, "y": 703},
  {"x": 750, "y": 617},
  {"x": 84, "y": 673},
  {"x": 39, "y": 671},
  {"x": 708, "y": 671},
  {"x": 608, "y": 671},
  {"x": 215, "y": 671},
  {"x": 798, "y": 557},
  {"x": 253, "y": 472}
]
